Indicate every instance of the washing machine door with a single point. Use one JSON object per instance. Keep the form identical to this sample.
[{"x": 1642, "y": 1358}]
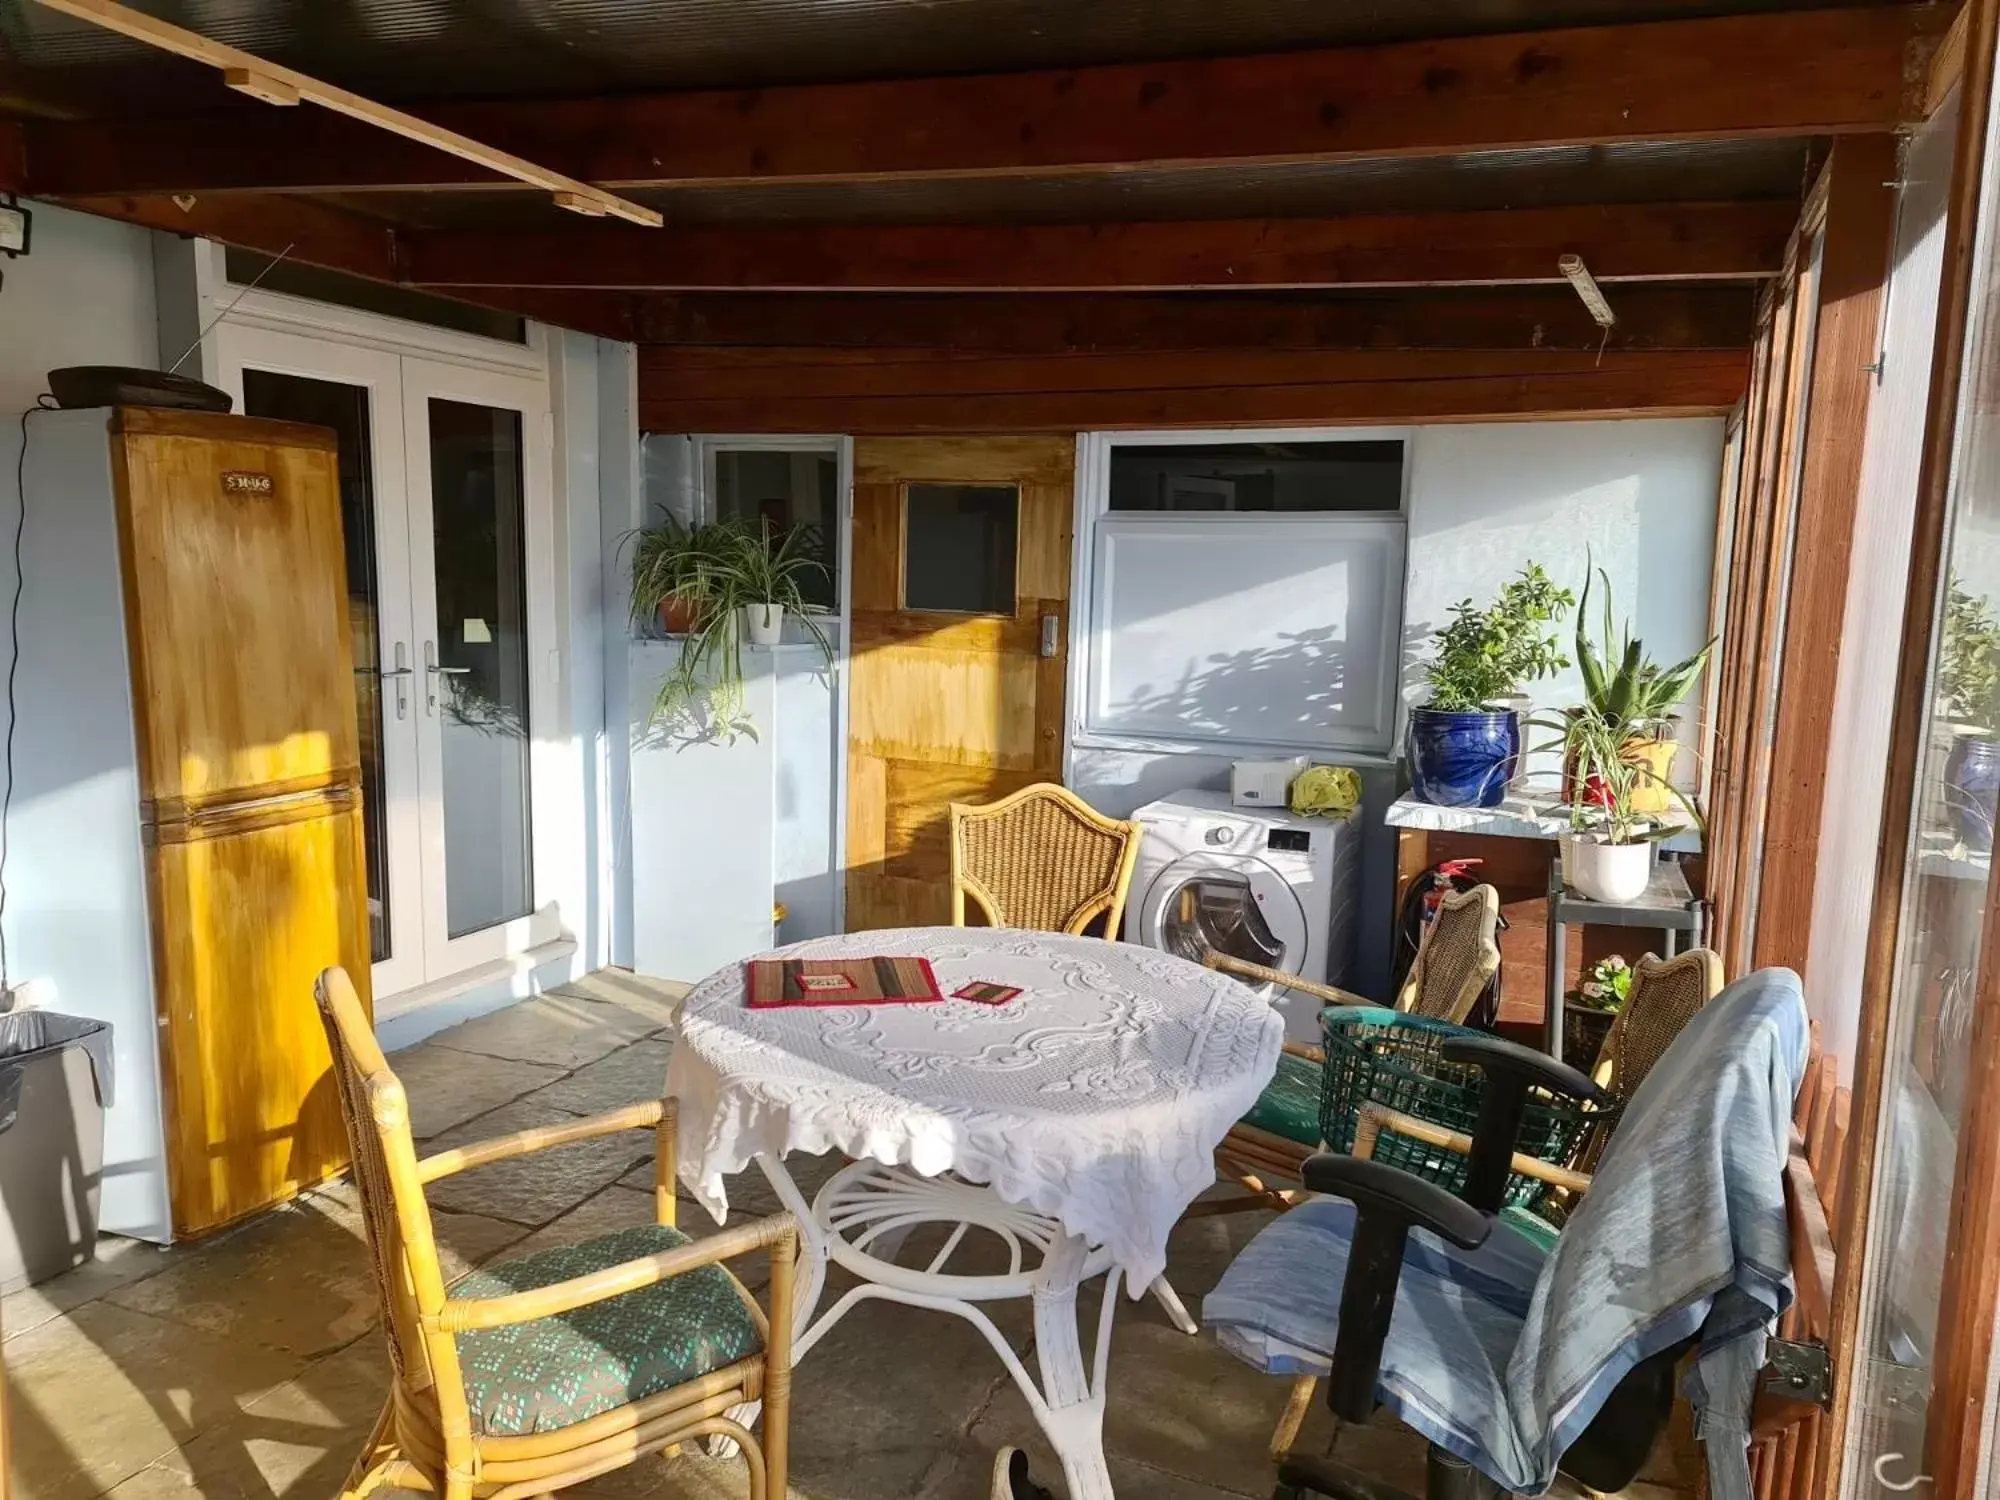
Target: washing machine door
[{"x": 1232, "y": 903}]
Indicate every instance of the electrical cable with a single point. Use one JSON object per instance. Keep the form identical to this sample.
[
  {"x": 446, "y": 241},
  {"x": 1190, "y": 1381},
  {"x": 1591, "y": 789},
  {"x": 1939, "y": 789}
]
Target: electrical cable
[{"x": 43, "y": 402}]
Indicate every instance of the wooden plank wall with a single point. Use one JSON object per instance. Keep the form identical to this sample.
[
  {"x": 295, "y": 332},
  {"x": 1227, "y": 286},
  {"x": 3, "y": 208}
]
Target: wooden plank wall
[{"x": 1784, "y": 1458}]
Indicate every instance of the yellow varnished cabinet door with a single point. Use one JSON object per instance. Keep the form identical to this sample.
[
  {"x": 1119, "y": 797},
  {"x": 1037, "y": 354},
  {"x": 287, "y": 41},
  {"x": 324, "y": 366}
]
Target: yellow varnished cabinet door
[
  {"x": 950, "y": 697},
  {"x": 236, "y": 604},
  {"x": 248, "y": 907}
]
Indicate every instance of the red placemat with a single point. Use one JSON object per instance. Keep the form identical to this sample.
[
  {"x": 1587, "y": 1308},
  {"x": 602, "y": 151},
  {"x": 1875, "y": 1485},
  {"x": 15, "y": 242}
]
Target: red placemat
[{"x": 775, "y": 982}]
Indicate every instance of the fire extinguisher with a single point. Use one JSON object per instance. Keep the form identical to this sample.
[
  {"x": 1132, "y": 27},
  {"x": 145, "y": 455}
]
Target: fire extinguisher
[{"x": 1420, "y": 905}]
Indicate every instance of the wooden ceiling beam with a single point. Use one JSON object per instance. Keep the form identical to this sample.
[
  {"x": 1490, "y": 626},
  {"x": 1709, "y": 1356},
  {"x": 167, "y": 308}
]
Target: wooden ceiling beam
[
  {"x": 1659, "y": 241},
  {"x": 272, "y": 84},
  {"x": 1781, "y": 74},
  {"x": 1246, "y": 389},
  {"x": 1649, "y": 317},
  {"x": 333, "y": 239}
]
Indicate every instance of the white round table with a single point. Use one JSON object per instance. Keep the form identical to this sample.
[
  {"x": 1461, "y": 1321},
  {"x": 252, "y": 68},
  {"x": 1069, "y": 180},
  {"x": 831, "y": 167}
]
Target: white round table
[{"x": 1074, "y": 1123}]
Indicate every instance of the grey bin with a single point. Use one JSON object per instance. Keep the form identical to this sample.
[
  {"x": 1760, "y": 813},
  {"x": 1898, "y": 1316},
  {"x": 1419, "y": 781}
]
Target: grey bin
[{"x": 55, "y": 1081}]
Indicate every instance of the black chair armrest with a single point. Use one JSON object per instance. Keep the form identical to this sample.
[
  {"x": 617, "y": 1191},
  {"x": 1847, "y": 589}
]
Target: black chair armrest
[
  {"x": 1387, "y": 1201},
  {"x": 1496, "y": 1056},
  {"x": 1375, "y": 1187},
  {"x": 1512, "y": 1071}
]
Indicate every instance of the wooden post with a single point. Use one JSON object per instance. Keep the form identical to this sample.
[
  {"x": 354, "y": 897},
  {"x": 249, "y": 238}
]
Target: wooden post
[{"x": 1854, "y": 265}]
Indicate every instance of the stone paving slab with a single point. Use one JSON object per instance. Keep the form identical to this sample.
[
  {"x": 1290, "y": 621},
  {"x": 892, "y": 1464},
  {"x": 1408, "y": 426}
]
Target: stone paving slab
[
  {"x": 539, "y": 1187},
  {"x": 561, "y": 1030}
]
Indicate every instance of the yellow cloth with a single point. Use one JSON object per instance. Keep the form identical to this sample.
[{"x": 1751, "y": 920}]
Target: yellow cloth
[{"x": 1327, "y": 791}]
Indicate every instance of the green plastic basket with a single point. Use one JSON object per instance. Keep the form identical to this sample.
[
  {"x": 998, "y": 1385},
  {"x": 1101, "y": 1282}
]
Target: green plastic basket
[{"x": 1379, "y": 1056}]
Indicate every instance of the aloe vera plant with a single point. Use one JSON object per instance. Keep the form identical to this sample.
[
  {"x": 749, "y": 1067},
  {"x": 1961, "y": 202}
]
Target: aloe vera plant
[{"x": 1629, "y": 692}]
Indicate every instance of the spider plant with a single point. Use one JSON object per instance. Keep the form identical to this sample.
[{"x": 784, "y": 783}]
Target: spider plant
[
  {"x": 1609, "y": 780},
  {"x": 717, "y": 568}
]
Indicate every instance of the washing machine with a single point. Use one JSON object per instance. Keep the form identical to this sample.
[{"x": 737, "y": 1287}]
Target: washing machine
[{"x": 1263, "y": 884}]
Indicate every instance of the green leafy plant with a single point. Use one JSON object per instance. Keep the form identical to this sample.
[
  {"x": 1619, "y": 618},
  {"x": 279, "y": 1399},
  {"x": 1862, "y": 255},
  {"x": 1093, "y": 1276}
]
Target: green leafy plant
[
  {"x": 1606, "y": 986},
  {"x": 1485, "y": 655},
  {"x": 717, "y": 568},
  {"x": 1968, "y": 672},
  {"x": 676, "y": 561},
  {"x": 1606, "y": 778},
  {"x": 1620, "y": 683}
]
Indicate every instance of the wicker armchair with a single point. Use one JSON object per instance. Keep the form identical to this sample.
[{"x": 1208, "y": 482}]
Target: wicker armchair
[
  {"x": 551, "y": 1369},
  {"x": 1664, "y": 997},
  {"x": 1457, "y": 958},
  {"x": 1043, "y": 859},
  {"x": 1264, "y": 1150}
]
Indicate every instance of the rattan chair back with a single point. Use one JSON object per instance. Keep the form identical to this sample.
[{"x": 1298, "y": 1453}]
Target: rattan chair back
[
  {"x": 377, "y": 1113},
  {"x": 1041, "y": 859},
  {"x": 1664, "y": 997},
  {"x": 1459, "y": 954}
]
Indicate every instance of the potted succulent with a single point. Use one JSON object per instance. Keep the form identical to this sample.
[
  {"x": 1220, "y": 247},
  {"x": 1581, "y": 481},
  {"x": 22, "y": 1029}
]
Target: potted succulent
[
  {"x": 717, "y": 581},
  {"x": 1608, "y": 853},
  {"x": 1968, "y": 685},
  {"x": 1465, "y": 742},
  {"x": 1636, "y": 697},
  {"x": 1600, "y": 995}
]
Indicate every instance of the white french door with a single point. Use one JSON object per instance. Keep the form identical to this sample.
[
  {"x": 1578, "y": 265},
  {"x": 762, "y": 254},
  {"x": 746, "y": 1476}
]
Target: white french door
[
  {"x": 480, "y": 531},
  {"x": 447, "y": 508}
]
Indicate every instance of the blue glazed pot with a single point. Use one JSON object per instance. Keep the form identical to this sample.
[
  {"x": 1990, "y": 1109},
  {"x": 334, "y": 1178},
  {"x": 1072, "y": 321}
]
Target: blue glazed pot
[
  {"x": 1972, "y": 789},
  {"x": 1463, "y": 759}
]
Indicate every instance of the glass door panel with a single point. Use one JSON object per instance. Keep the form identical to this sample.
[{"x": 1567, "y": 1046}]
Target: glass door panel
[
  {"x": 344, "y": 408},
  {"x": 478, "y": 677},
  {"x": 480, "y": 525},
  {"x": 358, "y": 394},
  {"x": 1923, "y": 1334}
]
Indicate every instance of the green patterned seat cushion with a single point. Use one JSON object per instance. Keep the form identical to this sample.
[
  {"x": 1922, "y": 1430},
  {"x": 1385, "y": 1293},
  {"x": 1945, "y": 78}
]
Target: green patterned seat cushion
[
  {"x": 1289, "y": 1105},
  {"x": 554, "y": 1372}
]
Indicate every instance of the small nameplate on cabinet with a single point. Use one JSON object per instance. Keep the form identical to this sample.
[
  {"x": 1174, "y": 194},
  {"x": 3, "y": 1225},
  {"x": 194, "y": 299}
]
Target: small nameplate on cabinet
[{"x": 243, "y": 482}]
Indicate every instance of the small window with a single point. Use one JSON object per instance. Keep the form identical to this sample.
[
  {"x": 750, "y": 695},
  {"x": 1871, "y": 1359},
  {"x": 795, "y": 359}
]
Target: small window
[
  {"x": 959, "y": 542},
  {"x": 1365, "y": 475},
  {"x": 786, "y": 492}
]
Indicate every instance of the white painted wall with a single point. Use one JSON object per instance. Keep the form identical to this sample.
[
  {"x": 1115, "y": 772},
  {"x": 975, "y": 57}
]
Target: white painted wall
[
  {"x": 75, "y": 876},
  {"x": 1636, "y": 498},
  {"x": 721, "y": 829}
]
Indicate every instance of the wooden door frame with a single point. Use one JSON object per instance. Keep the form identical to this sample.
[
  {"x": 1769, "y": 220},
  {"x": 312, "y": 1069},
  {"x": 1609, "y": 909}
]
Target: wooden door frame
[{"x": 1971, "y": 1291}]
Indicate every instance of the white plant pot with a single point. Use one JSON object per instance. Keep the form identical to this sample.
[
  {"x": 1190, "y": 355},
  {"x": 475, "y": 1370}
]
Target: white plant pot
[
  {"x": 1608, "y": 872},
  {"x": 764, "y": 623}
]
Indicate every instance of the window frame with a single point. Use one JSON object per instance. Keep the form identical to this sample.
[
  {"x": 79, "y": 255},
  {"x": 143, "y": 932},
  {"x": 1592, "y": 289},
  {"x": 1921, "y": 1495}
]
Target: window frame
[{"x": 1093, "y": 513}]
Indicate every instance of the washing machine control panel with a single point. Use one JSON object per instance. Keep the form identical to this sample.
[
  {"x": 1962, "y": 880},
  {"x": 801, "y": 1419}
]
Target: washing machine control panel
[
  {"x": 1290, "y": 840},
  {"x": 1216, "y": 837}
]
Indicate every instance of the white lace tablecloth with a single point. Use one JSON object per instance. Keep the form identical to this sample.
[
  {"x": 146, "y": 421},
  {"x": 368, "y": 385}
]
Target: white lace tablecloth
[{"x": 1096, "y": 1096}]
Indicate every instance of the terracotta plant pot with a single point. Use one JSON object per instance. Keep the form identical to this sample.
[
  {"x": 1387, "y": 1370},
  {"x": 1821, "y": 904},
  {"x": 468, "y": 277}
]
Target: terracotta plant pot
[{"x": 681, "y": 616}]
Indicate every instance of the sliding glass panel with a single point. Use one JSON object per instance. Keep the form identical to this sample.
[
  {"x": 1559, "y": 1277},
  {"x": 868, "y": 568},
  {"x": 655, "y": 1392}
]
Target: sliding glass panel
[
  {"x": 478, "y": 680},
  {"x": 344, "y": 408}
]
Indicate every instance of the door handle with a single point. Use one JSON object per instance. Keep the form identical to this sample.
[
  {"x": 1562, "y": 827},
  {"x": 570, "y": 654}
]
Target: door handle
[
  {"x": 1051, "y": 628},
  {"x": 399, "y": 675},
  {"x": 432, "y": 672}
]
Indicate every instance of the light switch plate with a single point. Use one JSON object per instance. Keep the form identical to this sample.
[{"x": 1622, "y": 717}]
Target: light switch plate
[{"x": 15, "y": 223}]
